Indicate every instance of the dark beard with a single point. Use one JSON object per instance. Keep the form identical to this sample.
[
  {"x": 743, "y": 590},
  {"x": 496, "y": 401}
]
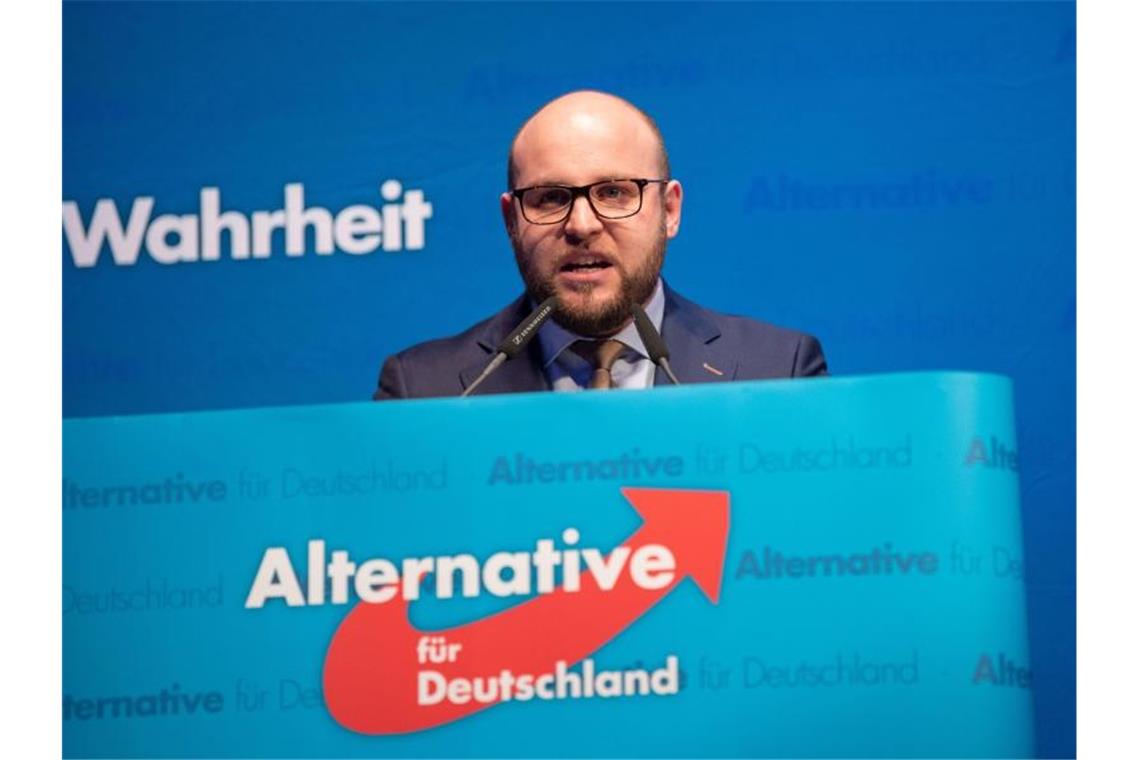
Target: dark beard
[{"x": 606, "y": 318}]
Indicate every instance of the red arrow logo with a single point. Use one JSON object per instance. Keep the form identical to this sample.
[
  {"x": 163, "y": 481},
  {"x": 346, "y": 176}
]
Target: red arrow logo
[{"x": 371, "y": 669}]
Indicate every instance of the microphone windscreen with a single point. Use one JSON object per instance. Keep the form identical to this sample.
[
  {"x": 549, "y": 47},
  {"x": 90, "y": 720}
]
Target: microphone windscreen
[
  {"x": 525, "y": 332},
  {"x": 649, "y": 335}
]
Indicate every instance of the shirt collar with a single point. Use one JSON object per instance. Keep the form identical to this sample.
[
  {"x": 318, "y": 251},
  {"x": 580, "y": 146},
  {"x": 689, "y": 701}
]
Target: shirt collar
[{"x": 554, "y": 339}]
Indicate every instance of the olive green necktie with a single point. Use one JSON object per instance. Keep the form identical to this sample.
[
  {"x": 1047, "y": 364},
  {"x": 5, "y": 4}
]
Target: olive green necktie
[{"x": 601, "y": 354}]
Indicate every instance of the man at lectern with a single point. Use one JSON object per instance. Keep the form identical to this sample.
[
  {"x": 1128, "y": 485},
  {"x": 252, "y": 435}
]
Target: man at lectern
[{"x": 590, "y": 208}]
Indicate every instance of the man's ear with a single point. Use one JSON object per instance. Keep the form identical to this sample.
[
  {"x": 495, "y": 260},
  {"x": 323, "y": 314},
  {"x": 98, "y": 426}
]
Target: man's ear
[
  {"x": 674, "y": 195},
  {"x": 507, "y": 206}
]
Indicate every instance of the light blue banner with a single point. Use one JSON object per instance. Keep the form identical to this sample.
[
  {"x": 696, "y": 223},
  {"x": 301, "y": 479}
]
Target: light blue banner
[{"x": 870, "y": 599}]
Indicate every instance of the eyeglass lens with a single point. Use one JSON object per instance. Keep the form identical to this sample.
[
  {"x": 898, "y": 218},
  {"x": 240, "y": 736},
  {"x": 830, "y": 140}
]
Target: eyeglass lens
[{"x": 611, "y": 200}]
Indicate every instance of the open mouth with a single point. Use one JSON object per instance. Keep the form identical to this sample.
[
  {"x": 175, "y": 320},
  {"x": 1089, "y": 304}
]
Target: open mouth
[{"x": 585, "y": 264}]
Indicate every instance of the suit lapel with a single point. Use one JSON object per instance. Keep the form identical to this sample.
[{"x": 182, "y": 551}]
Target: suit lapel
[
  {"x": 518, "y": 375},
  {"x": 696, "y": 352}
]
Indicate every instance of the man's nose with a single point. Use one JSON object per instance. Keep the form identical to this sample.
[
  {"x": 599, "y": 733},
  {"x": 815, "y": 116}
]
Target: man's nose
[{"x": 582, "y": 222}]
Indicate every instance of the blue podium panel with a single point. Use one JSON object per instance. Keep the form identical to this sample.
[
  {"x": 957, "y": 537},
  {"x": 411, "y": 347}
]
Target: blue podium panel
[{"x": 786, "y": 568}]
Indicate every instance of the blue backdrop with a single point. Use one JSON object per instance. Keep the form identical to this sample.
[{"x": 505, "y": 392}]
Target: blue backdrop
[{"x": 897, "y": 179}]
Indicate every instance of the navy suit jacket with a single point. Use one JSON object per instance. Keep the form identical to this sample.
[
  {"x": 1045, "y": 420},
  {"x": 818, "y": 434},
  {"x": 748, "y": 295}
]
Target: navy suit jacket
[{"x": 704, "y": 347}]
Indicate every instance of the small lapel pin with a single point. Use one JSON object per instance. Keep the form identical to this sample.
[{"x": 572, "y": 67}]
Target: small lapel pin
[{"x": 713, "y": 369}]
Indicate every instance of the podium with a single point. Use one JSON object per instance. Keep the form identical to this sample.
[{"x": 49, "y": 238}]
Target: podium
[{"x": 803, "y": 568}]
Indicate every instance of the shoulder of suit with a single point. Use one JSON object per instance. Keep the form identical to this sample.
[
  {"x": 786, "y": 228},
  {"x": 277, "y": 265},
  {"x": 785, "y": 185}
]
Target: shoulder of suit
[
  {"x": 735, "y": 328},
  {"x": 746, "y": 328}
]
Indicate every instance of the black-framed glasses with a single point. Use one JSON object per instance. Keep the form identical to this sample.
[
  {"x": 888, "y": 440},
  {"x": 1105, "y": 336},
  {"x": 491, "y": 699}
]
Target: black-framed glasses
[{"x": 609, "y": 198}]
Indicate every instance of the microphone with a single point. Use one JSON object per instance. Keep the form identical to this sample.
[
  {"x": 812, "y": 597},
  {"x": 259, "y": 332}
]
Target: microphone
[
  {"x": 654, "y": 344},
  {"x": 514, "y": 343}
]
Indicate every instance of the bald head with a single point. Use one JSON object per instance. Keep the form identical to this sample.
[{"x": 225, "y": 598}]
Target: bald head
[
  {"x": 595, "y": 261},
  {"x": 567, "y": 123}
]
